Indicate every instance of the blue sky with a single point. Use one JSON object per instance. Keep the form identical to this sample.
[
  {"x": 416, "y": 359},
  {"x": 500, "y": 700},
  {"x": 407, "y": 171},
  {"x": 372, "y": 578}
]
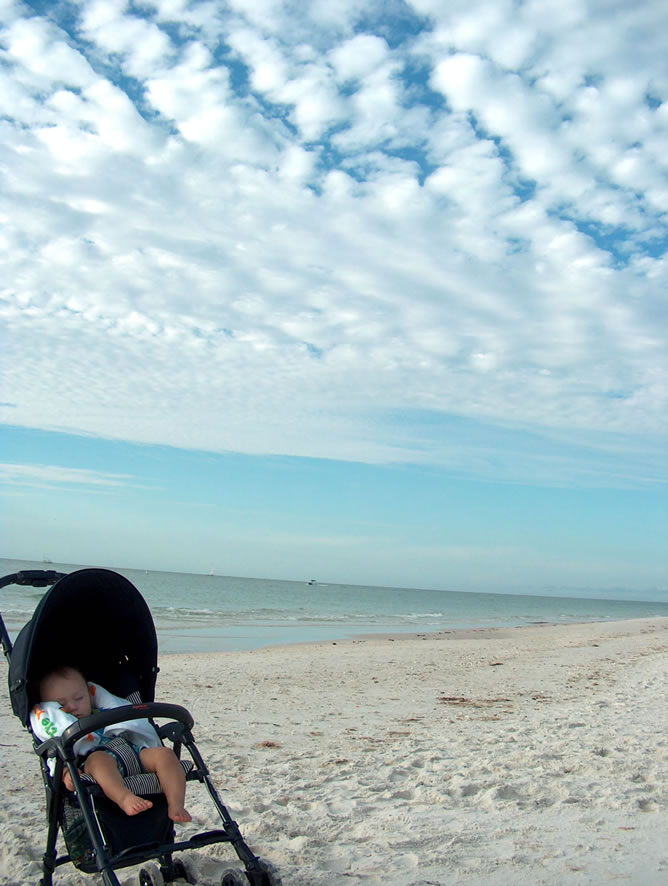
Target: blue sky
[{"x": 374, "y": 292}]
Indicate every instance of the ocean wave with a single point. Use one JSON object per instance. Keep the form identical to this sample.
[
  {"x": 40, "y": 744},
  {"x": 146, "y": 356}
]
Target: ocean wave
[
  {"x": 413, "y": 615},
  {"x": 17, "y": 617},
  {"x": 172, "y": 614},
  {"x": 184, "y": 612},
  {"x": 373, "y": 618}
]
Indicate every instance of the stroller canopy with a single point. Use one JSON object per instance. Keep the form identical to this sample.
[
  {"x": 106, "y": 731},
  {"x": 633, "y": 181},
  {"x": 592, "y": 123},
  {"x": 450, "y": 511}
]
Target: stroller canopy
[{"x": 94, "y": 620}]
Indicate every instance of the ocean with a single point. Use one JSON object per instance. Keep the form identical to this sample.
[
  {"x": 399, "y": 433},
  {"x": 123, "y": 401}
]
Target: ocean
[{"x": 212, "y": 613}]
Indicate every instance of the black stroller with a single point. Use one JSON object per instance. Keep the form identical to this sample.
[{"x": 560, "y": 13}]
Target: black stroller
[{"x": 121, "y": 655}]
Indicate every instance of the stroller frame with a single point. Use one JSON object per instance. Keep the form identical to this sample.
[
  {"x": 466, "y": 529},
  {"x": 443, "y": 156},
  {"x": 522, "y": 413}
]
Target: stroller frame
[{"x": 258, "y": 872}]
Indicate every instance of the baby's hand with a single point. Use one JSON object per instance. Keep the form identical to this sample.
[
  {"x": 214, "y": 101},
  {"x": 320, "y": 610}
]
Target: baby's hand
[{"x": 67, "y": 780}]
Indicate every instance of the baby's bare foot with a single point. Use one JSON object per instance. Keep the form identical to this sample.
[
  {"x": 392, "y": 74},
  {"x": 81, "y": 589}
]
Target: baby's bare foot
[
  {"x": 131, "y": 804},
  {"x": 179, "y": 814}
]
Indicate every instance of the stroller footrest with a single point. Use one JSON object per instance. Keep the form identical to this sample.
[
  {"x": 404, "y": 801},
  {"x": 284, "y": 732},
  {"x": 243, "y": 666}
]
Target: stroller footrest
[{"x": 205, "y": 838}]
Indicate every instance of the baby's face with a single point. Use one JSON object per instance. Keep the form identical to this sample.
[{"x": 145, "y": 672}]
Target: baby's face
[{"x": 71, "y": 693}]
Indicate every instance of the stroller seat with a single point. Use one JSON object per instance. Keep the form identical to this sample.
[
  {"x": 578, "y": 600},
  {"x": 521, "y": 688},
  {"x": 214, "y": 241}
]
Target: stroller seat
[
  {"x": 136, "y": 779},
  {"x": 122, "y": 657},
  {"x": 120, "y": 830}
]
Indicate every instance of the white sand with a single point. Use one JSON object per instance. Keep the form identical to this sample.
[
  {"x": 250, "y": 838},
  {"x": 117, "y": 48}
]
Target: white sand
[{"x": 522, "y": 756}]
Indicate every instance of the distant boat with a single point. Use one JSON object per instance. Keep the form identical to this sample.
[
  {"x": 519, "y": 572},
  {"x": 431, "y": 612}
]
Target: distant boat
[
  {"x": 311, "y": 581},
  {"x": 211, "y": 572}
]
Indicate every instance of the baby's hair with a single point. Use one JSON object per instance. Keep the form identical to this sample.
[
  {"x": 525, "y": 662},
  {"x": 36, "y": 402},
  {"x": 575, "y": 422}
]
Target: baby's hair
[{"x": 60, "y": 671}]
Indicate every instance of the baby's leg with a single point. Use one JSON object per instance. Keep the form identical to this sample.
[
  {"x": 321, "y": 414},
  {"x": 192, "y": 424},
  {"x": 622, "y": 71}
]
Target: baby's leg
[
  {"x": 164, "y": 762},
  {"x": 103, "y": 768}
]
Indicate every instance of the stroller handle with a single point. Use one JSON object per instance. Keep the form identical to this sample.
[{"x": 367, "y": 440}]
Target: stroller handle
[
  {"x": 126, "y": 712},
  {"x": 36, "y": 578}
]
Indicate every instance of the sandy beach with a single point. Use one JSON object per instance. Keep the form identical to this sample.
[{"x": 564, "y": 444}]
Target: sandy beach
[{"x": 534, "y": 755}]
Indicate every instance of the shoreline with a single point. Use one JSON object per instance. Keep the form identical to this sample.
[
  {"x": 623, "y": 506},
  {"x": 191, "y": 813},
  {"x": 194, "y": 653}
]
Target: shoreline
[
  {"x": 454, "y": 633},
  {"x": 531, "y": 756}
]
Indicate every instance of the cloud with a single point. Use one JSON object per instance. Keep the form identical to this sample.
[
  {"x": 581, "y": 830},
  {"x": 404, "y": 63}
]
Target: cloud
[
  {"x": 265, "y": 229},
  {"x": 57, "y": 476},
  {"x": 141, "y": 45}
]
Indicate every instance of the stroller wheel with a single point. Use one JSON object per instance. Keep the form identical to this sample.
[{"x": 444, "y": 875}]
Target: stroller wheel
[
  {"x": 265, "y": 874},
  {"x": 186, "y": 869},
  {"x": 151, "y": 876},
  {"x": 233, "y": 877},
  {"x": 271, "y": 875}
]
